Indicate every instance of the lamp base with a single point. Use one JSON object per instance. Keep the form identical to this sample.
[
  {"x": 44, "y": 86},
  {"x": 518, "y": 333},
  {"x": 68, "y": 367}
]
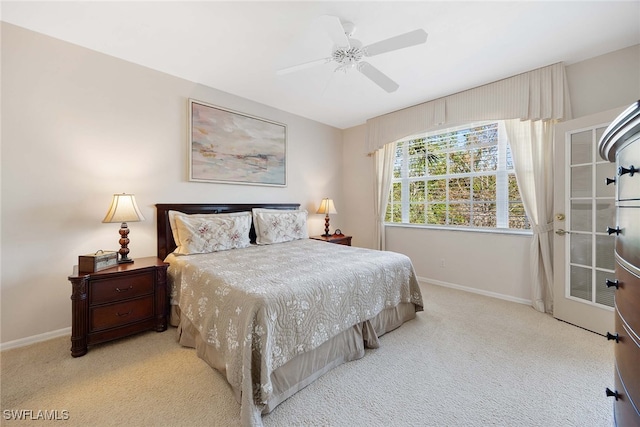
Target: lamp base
[
  {"x": 124, "y": 245},
  {"x": 326, "y": 226}
]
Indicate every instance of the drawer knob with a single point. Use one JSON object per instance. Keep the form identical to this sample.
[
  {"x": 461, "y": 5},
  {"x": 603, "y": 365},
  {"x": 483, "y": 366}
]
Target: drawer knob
[
  {"x": 616, "y": 230},
  {"x": 610, "y": 181},
  {"x": 124, "y": 314},
  {"x": 125, "y": 289},
  {"x": 611, "y": 393},
  {"x": 611, "y": 283},
  {"x": 615, "y": 337},
  {"x": 631, "y": 170}
]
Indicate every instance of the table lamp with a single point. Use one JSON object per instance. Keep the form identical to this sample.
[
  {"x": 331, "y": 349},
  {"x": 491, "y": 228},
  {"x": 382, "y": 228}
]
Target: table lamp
[
  {"x": 123, "y": 209},
  {"x": 326, "y": 207}
]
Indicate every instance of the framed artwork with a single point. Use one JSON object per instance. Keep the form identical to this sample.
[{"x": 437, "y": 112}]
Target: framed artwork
[{"x": 226, "y": 146}]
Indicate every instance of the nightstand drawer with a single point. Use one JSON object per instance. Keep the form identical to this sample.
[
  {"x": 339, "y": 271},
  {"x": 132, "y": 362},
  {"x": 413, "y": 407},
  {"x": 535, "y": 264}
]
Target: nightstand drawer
[
  {"x": 117, "y": 302},
  {"x": 113, "y": 315},
  {"x": 120, "y": 288}
]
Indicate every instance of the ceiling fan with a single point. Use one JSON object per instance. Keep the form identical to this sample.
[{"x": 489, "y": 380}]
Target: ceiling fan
[{"x": 349, "y": 53}]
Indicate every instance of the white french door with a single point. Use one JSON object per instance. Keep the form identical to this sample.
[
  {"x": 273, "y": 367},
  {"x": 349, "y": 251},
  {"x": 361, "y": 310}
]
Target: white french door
[{"x": 584, "y": 207}]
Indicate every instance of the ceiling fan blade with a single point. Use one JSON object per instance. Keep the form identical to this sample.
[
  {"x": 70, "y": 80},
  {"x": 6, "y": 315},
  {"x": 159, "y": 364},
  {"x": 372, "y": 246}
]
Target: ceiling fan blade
[
  {"x": 335, "y": 30},
  {"x": 302, "y": 66},
  {"x": 411, "y": 38},
  {"x": 376, "y": 76}
]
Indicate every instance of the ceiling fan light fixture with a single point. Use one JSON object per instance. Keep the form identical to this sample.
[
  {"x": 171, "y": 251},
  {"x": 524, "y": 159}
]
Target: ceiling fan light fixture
[
  {"x": 349, "y": 53},
  {"x": 348, "y": 56}
]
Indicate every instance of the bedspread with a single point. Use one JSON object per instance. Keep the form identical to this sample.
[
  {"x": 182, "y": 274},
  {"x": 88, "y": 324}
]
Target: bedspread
[{"x": 263, "y": 305}]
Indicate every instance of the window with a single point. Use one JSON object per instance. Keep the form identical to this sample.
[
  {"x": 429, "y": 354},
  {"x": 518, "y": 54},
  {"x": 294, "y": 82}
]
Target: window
[{"x": 460, "y": 177}]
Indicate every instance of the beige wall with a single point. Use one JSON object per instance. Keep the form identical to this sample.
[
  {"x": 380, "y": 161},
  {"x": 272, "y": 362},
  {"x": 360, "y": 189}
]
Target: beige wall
[
  {"x": 79, "y": 126},
  {"x": 357, "y": 188},
  {"x": 604, "y": 82},
  {"x": 486, "y": 263}
]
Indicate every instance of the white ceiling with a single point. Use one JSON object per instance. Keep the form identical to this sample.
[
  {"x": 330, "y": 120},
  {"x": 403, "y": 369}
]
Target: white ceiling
[{"x": 237, "y": 46}]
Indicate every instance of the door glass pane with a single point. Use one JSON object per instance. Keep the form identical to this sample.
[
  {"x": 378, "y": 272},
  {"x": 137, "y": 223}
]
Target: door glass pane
[
  {"x": 581, "y": 215},
  {"x": 604, "y": 171},
  {"x": 604, "y": 295},
  {"x": 581, "y": 147},
  {"x": 581, "y": 181},
  {"x": 580, "y": 283},
  {"x": 604, "y": 252},
  {"x": 605, "y": 215},
  {"x": 590, "y": 209},
  {"x": 581, "y": 249}
]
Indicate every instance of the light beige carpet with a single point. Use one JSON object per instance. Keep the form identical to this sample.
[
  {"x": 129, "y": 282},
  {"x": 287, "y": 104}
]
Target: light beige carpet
[{"x": 467, "y": 360}]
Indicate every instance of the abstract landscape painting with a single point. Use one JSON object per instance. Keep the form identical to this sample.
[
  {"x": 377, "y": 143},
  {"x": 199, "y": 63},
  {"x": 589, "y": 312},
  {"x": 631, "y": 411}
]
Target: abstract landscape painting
[{"x": 235, "y": 148}]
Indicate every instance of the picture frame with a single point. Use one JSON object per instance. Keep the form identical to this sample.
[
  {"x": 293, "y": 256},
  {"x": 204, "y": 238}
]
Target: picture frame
[{"x": 230, "y": 147}]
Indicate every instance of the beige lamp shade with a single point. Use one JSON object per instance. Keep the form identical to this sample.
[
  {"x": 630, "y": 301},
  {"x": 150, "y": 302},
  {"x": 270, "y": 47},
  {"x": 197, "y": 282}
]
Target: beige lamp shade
[
  {"x": 123, "y": 209},
  {"x": 327, "y": 207}
]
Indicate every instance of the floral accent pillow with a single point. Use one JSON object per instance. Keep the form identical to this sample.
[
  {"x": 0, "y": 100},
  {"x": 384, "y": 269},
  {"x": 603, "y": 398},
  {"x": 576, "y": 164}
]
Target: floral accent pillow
[
  {"x": 199, "y": 234},
  {"x": 174, "y": 214},
  {"x": 278, "y": 226}
]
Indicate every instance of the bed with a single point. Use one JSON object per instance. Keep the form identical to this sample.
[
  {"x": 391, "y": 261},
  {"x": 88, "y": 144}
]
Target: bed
[{"x": 269, "y": 308}]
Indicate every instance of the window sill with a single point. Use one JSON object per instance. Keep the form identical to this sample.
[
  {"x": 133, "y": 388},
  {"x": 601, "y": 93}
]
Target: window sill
[{"x": 463, "y": 229}]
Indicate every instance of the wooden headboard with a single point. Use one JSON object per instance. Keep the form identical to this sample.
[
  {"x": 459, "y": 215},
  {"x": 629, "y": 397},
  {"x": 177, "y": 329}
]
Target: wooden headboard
[{"x": 166, "y": 245}]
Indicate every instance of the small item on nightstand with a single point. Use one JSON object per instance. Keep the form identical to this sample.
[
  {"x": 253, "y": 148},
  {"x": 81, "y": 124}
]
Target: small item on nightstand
[
  {"x": 338, "y": 232},
  {"x": 98, "y": 261}
]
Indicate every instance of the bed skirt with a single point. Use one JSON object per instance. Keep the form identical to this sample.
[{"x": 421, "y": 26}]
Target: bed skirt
[{"x": 305, "y": 368}]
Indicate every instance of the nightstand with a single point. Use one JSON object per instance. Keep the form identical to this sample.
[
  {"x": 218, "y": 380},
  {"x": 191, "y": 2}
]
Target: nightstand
[
  {"x": 339, "y": 239},
  {"x": 117, "y": 302}
]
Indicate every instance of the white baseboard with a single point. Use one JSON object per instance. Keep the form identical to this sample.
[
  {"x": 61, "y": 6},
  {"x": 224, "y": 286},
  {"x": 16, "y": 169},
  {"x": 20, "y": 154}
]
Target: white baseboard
[
  {"x": 475, "y": 291},
  {"x": 34, "y": 339},
  {"x": 67, "y": 331}
]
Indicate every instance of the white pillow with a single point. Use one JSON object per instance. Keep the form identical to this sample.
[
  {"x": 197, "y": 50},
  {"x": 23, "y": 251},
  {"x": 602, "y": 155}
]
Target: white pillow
[
  {"x": 277, "y": 225},
  {"x": 204, "y": 233}
]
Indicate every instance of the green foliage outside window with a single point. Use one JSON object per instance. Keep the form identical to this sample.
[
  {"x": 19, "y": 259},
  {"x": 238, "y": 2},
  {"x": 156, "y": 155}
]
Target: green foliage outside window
[{"x": 456, "y": 178}]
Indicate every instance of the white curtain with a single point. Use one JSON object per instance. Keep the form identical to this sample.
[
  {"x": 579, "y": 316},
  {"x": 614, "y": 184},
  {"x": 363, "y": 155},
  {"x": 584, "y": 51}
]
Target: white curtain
[
  {"x": 383, "y": 160},
  {"x": 532, "y": 102},
  {"x": 532, "y": 148}
]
